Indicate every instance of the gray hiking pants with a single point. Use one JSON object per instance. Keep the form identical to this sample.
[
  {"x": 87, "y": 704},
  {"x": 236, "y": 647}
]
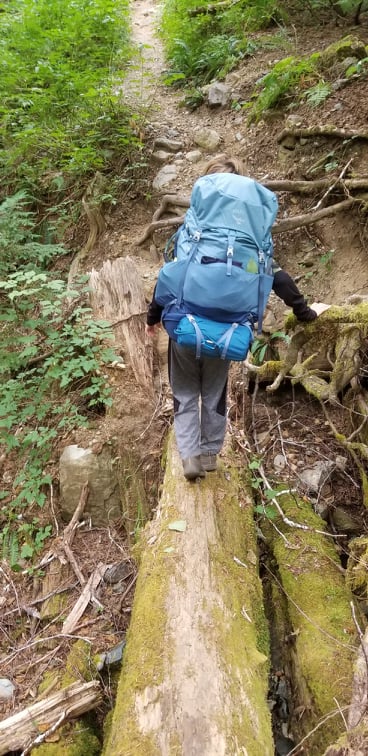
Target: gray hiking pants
[{"x": 199, "y": 388}]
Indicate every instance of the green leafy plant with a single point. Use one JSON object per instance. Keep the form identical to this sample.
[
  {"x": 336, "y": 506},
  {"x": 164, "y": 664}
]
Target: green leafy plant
[
  {"x": 51, "y": 354},
  {"x": 62, "y": 116},
  {"x": 318, "y": 93},
  {"x": 358, "y": 68},
  {"x": 285, "y": 76},
  {"x": 326, "y": 259},
  {"x": 201, "y": 45},
  {"x": 19, "y": 244},
  {"x": 267, "y": 344}
]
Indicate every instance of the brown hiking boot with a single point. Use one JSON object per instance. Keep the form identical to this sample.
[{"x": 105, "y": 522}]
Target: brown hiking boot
[
  {"x": 209, "y": 462},
  {"x": 192, "y": 468}
]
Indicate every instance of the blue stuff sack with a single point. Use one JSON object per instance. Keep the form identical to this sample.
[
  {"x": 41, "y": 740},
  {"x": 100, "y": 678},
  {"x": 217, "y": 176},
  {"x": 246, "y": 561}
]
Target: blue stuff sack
[{"x": 208, "y": 338}]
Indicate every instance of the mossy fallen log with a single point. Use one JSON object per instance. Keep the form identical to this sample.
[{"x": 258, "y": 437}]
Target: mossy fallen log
[
  {"x": 320, "y": 650},
  {"x": 194, "y": 677}
]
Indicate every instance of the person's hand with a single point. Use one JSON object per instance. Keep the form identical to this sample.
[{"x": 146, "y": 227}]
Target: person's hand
[
  {"x": 319, "y": 307},
  {"x": 151, "y": 330}
]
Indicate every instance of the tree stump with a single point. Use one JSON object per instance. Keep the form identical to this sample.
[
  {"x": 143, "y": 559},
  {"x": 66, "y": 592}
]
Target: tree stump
[{"x": 117, "y": 296}]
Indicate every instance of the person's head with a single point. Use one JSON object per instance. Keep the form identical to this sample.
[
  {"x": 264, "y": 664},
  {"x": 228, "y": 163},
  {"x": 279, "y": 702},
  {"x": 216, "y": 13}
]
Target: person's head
[{"x": 224, "y": 164}]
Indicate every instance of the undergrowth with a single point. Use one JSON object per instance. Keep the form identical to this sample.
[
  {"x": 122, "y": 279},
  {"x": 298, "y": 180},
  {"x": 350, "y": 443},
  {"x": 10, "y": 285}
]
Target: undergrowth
[
  {"x": 51, "y": 353},
  {"x": 203, "y": 41},
  {"x": 62, "y": 116},
  {"x": 286, "y": 76}
]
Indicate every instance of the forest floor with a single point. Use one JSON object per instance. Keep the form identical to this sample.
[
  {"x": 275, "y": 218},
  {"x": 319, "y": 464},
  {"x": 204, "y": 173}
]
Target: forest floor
[{"x": 327, "y": 259}]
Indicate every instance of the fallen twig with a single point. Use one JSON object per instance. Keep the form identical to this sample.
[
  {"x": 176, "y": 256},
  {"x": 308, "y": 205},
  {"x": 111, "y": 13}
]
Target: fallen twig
[
  {"x": 332, "y": 186},
  {"x": 84, "y": 599}
]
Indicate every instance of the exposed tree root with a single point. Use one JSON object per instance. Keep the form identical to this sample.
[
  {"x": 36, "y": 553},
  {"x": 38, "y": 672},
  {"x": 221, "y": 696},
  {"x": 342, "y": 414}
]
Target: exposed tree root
[
  {"x": 327, "y": 131},
  {"x": 285, "y": 225},
  {"x": 340, "y": 335}
]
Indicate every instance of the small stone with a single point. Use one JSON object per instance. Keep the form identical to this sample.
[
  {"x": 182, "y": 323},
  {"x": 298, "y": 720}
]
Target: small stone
[
  {"x": 7, "y": 688},
  {"x": 314, "y": 477},
  {"x": 165, "y": 176},
  {"x": 194, "y": 156},
  {"x": 208, "y": 139},
  {"x": 161, "y": 156},
  {"x": 218, "y": 94},
  {"x": 169, "y": 145},
  {"x": 279, "y": 462},
  {"x": 341, "y": 462},
  {"x": 344, "y": 522}
]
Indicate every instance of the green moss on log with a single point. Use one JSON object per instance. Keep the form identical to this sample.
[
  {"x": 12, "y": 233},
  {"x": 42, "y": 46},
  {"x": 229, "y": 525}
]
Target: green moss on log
[
  {"x": 319, "y": 610},
  {"x": 144, "y": 644},
  {"x": 240, "y": 646},
  {"x": 75, "y": 740},
  {"x": 246, "y": 637}
]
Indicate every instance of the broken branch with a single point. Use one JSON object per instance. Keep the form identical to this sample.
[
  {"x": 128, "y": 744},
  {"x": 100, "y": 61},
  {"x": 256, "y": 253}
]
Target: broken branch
[{"x": 17, "y": 731}]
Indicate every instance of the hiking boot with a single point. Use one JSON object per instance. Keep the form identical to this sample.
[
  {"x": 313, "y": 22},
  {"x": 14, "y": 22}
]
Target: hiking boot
[
  {"x": 192, "y": 468},
  {"x": 209, "y": 462}
]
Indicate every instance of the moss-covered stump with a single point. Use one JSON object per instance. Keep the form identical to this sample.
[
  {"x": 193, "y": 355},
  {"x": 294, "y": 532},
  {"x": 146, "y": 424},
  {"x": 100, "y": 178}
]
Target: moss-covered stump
[
  {"x": 320, "y": 648},
  {"x": 194, "y": 677}
]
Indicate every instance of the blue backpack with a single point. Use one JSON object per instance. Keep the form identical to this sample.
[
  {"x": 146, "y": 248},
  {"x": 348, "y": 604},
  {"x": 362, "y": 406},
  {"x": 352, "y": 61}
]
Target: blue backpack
[{"x": 217, "y": 284}]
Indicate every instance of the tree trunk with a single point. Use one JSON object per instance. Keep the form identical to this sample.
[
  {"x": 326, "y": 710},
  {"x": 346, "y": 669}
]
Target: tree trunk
[
  {"x": 117, "y": 296},
  {"x": 194, "y": 678}
]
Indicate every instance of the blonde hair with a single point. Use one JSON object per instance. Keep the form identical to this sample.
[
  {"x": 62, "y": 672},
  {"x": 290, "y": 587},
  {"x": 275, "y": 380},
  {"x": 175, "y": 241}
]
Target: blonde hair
[{"x": 224, "y": 164}]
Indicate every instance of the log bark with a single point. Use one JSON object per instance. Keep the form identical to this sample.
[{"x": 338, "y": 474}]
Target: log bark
[
  {"x": 19, "y": 730},
  {"x": 117, "y": 296},
  {"x": 194, "y": 677}
]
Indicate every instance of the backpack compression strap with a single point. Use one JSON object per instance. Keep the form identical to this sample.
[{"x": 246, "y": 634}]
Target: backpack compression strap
[
  {"x": 222, "y": 345},
  {"x": 261, "y": 259}
]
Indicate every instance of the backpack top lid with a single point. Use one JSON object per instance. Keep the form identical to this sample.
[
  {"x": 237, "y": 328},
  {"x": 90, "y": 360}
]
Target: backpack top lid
[{"x": 230, "y": 201}]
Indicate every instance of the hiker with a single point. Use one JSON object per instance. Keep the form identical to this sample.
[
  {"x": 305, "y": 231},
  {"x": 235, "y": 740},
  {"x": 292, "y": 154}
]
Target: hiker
[{"x": 199, "y": 382}]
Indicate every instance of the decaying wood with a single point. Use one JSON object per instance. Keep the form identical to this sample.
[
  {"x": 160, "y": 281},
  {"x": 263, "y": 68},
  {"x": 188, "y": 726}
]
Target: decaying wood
[
  {"x": 17, "y": 731},
  {"x": 69, "y": 530},
  {"x": 326, "y": 131},
  {"x": 336, "y": 340},
  {"x": 86, "y": 596},
  {"x": 156, "y": 225},
  {"x": 193, "y": 680},
  {"x": 117, "y": 295},
  {"x": 91, "y": 204},
  {"x": 311, "y": 187},
  {"x": 339, "y": 333},
  {"x": 170, "y": 200}
]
